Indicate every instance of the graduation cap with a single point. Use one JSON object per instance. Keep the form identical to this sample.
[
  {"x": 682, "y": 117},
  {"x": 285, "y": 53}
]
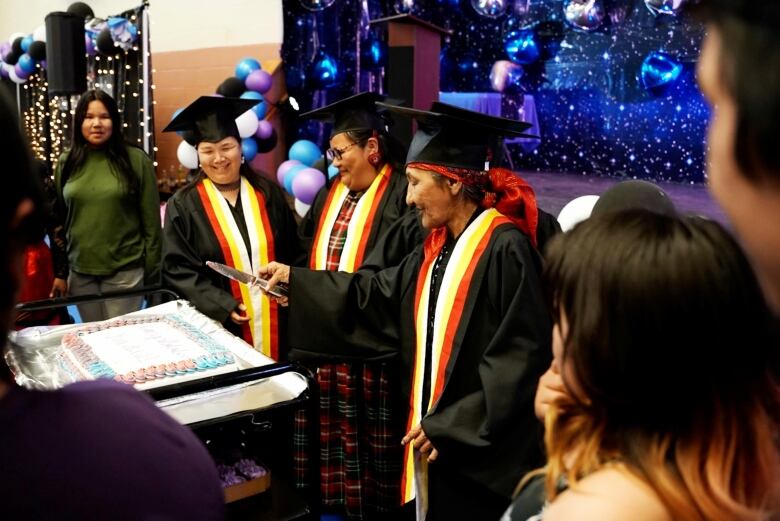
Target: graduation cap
[
  {"x": 210, "y": 118},
  {"x": 455, "y": 137},
  {"x": 358, "y": 112}
]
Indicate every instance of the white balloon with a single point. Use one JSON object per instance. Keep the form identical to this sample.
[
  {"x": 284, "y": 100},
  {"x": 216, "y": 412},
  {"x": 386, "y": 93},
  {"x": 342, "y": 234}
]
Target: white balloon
[
  {"x": 14, "y": 77},
  {"x": 8, "y": 67},
  {"x": 247, "y": 123},
  {"x": 39, "y": 34},
  {"x": 15, "y": 36},
  {"x": 187, "y": 155},
  {"x": 576, "y": 211},
  {"x": 301, "y": 207}
]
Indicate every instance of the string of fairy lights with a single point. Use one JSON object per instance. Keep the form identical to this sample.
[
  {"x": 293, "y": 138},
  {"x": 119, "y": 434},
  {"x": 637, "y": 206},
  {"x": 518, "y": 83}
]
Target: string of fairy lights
[{"x": 47, "y": 121}]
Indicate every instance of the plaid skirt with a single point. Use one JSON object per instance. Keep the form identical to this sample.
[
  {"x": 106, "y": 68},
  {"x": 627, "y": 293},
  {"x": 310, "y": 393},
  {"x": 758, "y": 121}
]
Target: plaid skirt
[{"x": 360, "y": 439}]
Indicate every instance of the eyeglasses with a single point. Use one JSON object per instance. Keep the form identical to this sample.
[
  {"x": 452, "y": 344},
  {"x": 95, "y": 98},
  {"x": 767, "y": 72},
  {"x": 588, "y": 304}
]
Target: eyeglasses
[{"x": 336, "y": 153}]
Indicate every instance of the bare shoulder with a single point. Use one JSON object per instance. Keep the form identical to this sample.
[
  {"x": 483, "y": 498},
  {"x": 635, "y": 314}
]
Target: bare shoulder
[{"x": 612, "y": 493}]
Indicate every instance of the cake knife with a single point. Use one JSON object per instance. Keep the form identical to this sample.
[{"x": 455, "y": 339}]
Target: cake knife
[{"x": 280, "y": 290}]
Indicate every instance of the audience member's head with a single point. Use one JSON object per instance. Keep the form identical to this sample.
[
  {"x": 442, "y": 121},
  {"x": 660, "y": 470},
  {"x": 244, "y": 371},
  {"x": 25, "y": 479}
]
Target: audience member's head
[
  {"x": 662, "y": 337},
  {"x": 739, "y": 73},
  {"x": 625, "y": 195},
  {"x": 20, "y": 203},
  {"x": 634, "y": 195}
]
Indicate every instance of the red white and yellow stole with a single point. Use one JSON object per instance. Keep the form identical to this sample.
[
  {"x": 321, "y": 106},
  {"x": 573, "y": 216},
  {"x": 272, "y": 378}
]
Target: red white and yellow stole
[
  {"x": 359, "y": 228},
  {"x": 450, "y": 303},
  {"x": 262, "y": 329}
]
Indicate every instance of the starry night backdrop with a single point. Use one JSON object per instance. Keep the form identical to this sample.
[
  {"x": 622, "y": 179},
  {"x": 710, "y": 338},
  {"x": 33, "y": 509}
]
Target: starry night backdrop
[{"x": 596, "y": 115}]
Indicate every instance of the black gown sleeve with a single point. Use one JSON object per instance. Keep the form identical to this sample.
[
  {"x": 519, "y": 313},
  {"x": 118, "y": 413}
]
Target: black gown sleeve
[
  {"x": 183, "y": 266},
  {"x": 547, "y": 228},
  {"x": 479, "y": 429},
  {"x": 349, "y": 316},
  {"x": 403, "y": 236}
]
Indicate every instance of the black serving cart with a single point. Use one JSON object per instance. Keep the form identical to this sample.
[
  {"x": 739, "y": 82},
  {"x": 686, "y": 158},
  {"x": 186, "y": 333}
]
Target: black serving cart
[{"x": 264, "y": 434}]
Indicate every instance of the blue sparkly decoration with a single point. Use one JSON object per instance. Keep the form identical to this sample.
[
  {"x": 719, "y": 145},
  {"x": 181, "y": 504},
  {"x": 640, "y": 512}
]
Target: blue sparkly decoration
[
  {"x": 324, "y": 71},
  {"x": 521, "y": 46},
  {"x": 660, "y": 73},
  {"x": 468, "y": 64},
  {"x": 373, "y": 54}
]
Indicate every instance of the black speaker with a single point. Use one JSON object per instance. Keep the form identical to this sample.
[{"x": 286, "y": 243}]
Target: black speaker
[{"x": 66, "y": 54}]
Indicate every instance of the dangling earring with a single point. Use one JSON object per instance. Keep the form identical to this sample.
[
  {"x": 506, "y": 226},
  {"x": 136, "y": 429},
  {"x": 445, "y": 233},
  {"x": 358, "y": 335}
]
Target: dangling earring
[
  {"x": 243, "y": 160},
  {"x": 374, "y": 158}
]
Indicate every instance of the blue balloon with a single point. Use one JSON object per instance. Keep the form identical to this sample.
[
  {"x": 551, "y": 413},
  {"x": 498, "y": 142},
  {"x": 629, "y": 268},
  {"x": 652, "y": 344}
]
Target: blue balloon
[
  {"x": 261, "y": 108},
  {"x": 660, "y": 73},
  {"x": 332, "y": 171},
  {"x": 290, "y": 175},
  {"x": 324, "y": 71},
  {"x": 176, "y": 113},
  {"x": 521, "y": 46},
  {"x": 133, "y": 30},
  {"x": 26, "y": 63},
  {"x": 26, "y": 42},
  {"x": 249, "y": 148},
  {"x": 373, "y": 54},
  {"x": 305, "y": 151},
  {"x": 245, "y": 67}
]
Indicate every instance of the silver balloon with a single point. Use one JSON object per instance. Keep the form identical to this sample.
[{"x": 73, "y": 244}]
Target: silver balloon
[
  {"x": 316, "y": 5},
  {"x": 504, "y": 74},
  {"x": 586, "y": 15},
  {"x": 404, "y": 6},
  {"x": 672, "y": 7},
  {"x": 522, "y": 7},
  {"x": 489, "y": 8},
  {"x": 618, "y": 13}
]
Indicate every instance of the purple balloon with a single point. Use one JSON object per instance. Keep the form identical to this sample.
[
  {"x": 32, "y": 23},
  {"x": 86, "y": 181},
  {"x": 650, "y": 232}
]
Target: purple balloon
[
  {"x": 258, "y": 81},
  {"x": 264, "y": 129},
  {"x": 91, "y": 50},
  {"x": 3, "y": 72},
  {"x": 21, "y": 73},
  {"x": 284, "y": 167},
  {"x": 307, "y": 183},
  {"x": 5, "y": 48}
]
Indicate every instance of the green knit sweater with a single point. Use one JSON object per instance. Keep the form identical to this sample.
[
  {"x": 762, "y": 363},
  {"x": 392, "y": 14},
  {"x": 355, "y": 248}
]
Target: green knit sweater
[{"x": 108, "y": 230}]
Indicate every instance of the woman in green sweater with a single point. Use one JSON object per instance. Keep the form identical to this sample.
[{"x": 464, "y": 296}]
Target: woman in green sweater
[{"x": 107, "y": 194}]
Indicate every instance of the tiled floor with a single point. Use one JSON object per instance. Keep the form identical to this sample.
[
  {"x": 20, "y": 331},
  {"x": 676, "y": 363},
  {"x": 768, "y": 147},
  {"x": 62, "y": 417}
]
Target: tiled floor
[{"x": 554, "y": 190}]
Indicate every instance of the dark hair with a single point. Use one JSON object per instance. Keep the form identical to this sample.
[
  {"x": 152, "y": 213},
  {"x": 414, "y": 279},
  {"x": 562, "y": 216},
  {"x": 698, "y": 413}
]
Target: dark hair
[
  {"x": 669, "y": 344},
  {"x": 390, "y": 148},
  {"x": 115, "y": 147},
  {"x": 19, "y": 183},
  {"x": 750, "y": 58}
]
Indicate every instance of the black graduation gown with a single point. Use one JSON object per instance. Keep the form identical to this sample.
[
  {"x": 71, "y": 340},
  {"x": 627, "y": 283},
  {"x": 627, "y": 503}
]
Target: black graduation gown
[
  {"x": 547, "y": 228},
  {"x": 483, "y": 425},
  {"x": 391, "y": 208},
  {"x": 189, "y": 241}
]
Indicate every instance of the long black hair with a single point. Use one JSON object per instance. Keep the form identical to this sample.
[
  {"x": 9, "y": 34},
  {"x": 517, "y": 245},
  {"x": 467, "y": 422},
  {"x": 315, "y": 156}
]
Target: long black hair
[
  {"x": 115, "y": 148},
  {"x": 390, "y": 148}
]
